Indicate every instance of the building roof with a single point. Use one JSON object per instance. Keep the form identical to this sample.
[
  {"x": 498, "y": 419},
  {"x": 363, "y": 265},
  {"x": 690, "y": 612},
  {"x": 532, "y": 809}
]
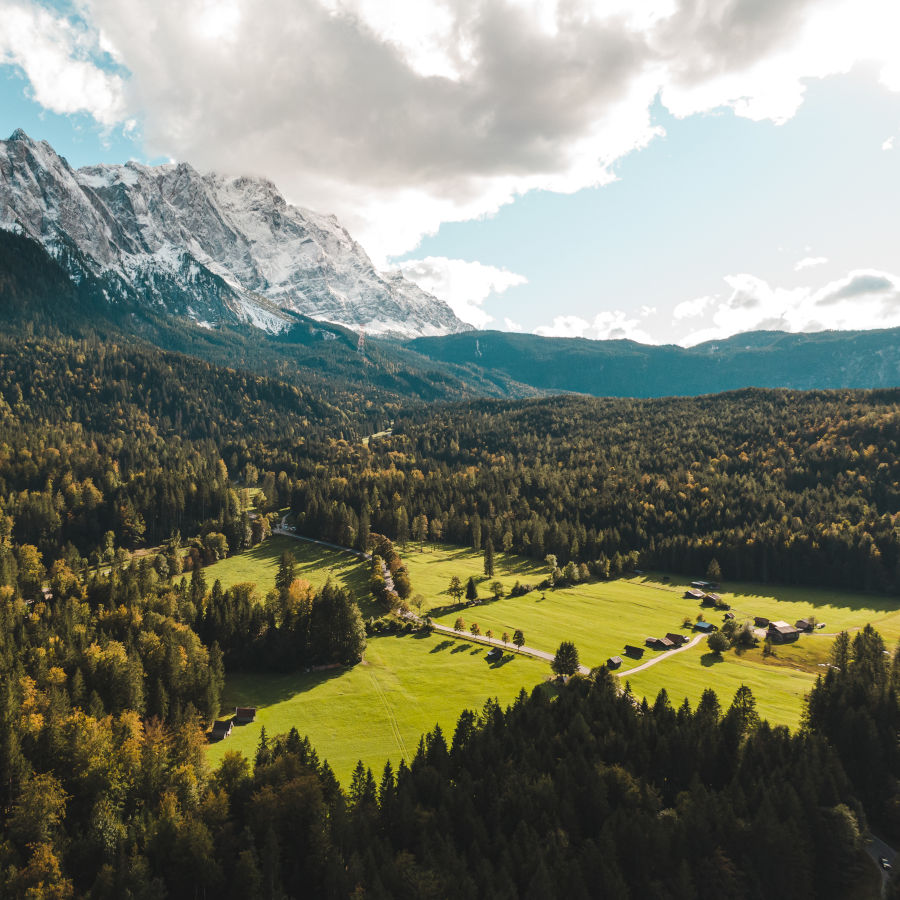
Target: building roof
[
  {"x": 714, "y": 597},
  {"x": 782, "y": 627},
  {"x": 222, "y": 727},
  {"x": 729, "y": 615},
  {"x": 703, "y": 626},
  {"x": 244, "y": 711},
  {"x": 695, "y": 593},
  {"x": 615, "y": 660}
]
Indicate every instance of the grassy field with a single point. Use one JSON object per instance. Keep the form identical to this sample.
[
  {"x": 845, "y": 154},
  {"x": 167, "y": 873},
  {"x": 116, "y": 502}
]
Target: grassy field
[
  {"x": 314, "y": 563},
  {"x": 779, "y": 691},
  {"x": 379, "y": 709},
  {"x": 601, "y": 617}
]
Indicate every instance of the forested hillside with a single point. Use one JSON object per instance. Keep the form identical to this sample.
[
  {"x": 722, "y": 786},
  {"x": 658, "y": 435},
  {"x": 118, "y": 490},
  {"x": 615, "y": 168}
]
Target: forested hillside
[{"x": 781, "y": 486}]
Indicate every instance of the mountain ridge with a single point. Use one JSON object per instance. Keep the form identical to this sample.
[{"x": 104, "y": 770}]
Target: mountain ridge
[
  {"x": 624, "y": 368},
  {"x": 213, "y": 248}
]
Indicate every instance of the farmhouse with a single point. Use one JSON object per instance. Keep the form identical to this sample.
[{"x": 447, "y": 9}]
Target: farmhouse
[
  {"x": 694, "y": 594},
  {"x": 614, "y": 662},
  {"x": 760, "y": 621},
  {"x": 782, "y": 632},
  {"x": 221, "y": 729},
  {"x": 634, "y": 652},
  {"x": 676, "y": 639},
  {"x": 243, "y": 715},
  {"x": 659, "y": 643},
  {"x": 705, "y": 627}
]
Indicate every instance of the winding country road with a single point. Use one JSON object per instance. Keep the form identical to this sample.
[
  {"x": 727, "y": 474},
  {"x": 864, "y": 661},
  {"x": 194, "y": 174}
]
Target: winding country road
[
  {"x": 481, "y": 639},
  {"x": 656, "y": 659},
  {"x": 496, "y": 642}
]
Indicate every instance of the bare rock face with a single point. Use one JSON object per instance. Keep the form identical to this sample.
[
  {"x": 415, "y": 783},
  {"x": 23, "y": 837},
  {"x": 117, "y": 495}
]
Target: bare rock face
[{"x": 215, "y": 248}]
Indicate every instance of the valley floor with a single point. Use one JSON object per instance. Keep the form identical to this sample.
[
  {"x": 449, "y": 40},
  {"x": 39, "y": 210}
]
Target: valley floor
[{"x": 378, "y": 709}]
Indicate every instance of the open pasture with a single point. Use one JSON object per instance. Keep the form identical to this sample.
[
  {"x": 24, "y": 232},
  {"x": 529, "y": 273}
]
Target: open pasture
[
  {"x": 312, "y": 562},
  {"x": 379, "y": 709}
]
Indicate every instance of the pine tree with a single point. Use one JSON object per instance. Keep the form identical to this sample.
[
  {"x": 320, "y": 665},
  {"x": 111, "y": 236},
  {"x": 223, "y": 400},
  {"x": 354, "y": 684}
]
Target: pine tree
[{"x": 489, "y": 557}]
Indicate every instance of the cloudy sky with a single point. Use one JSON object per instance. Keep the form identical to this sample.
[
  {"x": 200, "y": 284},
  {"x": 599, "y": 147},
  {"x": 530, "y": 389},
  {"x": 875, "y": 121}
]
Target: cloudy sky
[{"x": 670, "y": 171}]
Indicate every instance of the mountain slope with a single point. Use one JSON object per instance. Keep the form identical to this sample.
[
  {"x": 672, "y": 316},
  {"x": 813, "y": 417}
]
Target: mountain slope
[
  {"x": 216, "y": 249},
  {"x": 859, "y": 359},
  {"x": 38, "y": 298}
]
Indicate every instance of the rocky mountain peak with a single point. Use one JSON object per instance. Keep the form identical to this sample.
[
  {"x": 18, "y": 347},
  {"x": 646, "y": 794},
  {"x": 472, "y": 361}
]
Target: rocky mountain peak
[{"x": 217, "y": 248}]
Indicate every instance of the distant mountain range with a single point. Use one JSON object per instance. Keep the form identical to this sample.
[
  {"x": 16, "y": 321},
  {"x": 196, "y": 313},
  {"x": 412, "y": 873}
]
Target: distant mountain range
[
  {"x": 212, "y": 248},
  {"x": 828, "y": 359}
]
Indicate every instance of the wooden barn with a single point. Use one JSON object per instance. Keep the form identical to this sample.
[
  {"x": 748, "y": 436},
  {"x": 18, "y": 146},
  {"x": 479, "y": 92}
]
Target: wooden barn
[
  {"x": 614, "y": 662},
  {"x": 244, "y": 715},
  {"x": 221, "y": 729},
  {"x": 677, "y": 639},
  {"x": 633, "y": 652},
  {"x": 782, "y": 633},
  {"x": 659, "y": 643}
]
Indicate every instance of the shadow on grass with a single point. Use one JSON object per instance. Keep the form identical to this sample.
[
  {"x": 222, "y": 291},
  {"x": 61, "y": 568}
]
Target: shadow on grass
[
  {"x": 461, "y": 648},
  {"x": 443, "y": 645},
  {"x": 506, "y": 658},
  {"x": 268, "y": 688},
  {"x": 710, "y": 659},
  {"x": 476, "y": 651}
]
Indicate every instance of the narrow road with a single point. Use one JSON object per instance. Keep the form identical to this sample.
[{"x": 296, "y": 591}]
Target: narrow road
[
  {"x": 656, "y": 659},
  {"x": 877, "y": 848},
  {"x": 282, "y": 530},
  {"x": 481, "y": 639},
  {"x": 496, "y": 642}
]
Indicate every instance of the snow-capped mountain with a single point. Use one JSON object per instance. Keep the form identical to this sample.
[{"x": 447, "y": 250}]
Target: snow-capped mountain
[{"x": 218, "y": 249}]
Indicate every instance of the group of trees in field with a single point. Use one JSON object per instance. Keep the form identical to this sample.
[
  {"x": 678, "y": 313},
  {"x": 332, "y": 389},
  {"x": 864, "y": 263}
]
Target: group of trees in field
[
  {"x": 774, "y": 485},
  {"x": 295, "y": 626}
]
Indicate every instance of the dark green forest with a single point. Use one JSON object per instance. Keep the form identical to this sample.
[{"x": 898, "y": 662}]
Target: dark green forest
[{"x": 777, "y": 486}]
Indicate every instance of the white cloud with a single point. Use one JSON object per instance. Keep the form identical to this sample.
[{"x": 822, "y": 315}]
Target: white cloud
[
  {"x": 888, "y": 144},
  {"x": 809, "y": 262},
  {"x": 510, "y": 325},
  {"x": 564, "y": 326},
  {"x": 58, "y": 57},
  {"x": 690, "y": 309},
  {"x": 608, "y": 325},
  {"x": 864, "y": 298},
  {"x": 399, "y": 117},
  {"x": 463, "y": 285}
]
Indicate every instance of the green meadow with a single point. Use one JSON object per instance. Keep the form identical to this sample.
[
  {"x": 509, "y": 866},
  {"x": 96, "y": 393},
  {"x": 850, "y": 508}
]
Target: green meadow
[
  {"x": 379, "y": 709},
  {"x": 601, "y": 617},
  {"x": 314, "y": 563}
]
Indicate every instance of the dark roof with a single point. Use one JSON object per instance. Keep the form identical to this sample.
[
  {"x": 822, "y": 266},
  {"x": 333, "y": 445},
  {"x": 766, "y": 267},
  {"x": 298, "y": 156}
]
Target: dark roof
[
  {"x": 714, "y": 597},
  {"x": 222, "y": 727},
  {"x": 729, "y": 615},
  {"x": 676, "y": 638}
]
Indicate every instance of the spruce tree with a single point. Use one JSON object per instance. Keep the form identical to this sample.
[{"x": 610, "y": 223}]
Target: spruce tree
[{"x": 489, "y": 557}]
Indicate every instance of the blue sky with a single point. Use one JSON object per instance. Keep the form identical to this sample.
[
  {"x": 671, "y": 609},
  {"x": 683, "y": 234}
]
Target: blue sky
[{"x": 625, "y": 174}]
